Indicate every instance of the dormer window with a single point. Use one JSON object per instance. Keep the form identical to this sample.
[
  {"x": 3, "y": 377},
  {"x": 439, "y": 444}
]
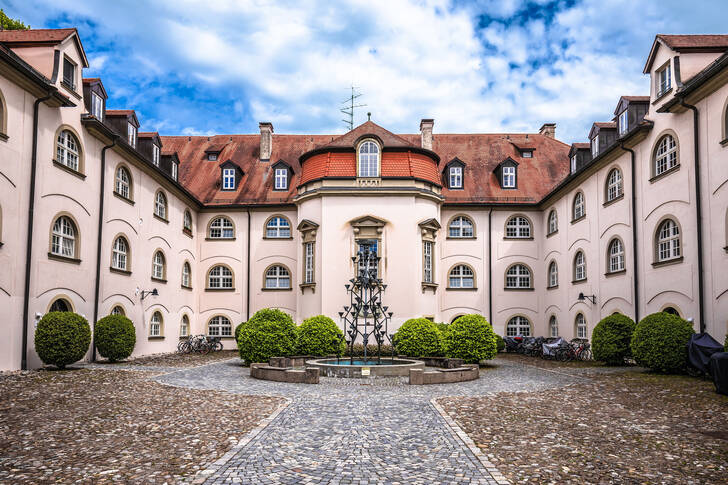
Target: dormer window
[
  {"x": 155, "y": 155},
  {"x": 527, "y": 153},
  {"x": 369, "y": 159},
  {"x": 623, "y": 123},
  {"x": 573, "y": 163},
  {"x": 69, "y": 74},
  {"x": 212, "y": 157},
  {"x": 663, "y": 81},
  {"x": 456, "y": 177},
  {"x": 97, "y": 106},
  {"x": 228, "y": 179},
  {"x": 281, "y": 178},
  {"x": 509, "y": 177},
  {"x": 131, "y": 132},
  {"x": 174, "y": 171},
  {"x": 595, "y": 146}
]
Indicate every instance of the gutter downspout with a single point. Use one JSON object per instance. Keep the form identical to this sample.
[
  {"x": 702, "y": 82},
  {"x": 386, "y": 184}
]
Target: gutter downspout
[
  {"x": 635, "y": 271},
  {"x": 29, "y": 243},
  {"x": 698, "y": 210},
  {"x": 98, "y": 243},
  {"x": 490, "y": 268},
  {"x": 247, "y": 272}
]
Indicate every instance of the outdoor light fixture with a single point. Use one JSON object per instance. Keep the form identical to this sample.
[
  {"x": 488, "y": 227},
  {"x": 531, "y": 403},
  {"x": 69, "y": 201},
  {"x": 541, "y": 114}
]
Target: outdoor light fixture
[
  {"x": 591, "y": 298},
  {"x": 146, "y": 293}
]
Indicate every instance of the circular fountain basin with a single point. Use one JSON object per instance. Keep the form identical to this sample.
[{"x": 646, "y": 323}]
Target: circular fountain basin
[{"x": 370, "y": 368}]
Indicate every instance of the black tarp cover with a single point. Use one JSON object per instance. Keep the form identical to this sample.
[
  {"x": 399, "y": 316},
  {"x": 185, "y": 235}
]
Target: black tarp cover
[
  {"x": 719, "y": 371},
  {"x": 700, "y": 347}
]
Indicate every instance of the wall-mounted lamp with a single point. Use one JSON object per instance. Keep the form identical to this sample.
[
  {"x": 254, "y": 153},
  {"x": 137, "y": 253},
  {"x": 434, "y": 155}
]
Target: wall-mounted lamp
[
  {"x": 146, "y": 293},
  {"x": 591, "y": 298}
]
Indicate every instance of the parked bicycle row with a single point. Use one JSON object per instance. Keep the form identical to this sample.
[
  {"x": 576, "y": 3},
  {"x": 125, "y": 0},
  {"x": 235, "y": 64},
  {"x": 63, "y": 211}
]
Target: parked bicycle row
[
  {"x": 201, "y": 344},
  {"x": 554, "y": 348}
]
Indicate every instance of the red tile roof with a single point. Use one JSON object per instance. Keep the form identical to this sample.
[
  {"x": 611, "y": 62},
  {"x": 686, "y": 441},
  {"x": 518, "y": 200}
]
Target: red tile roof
[
  {"x": 695, "y": 41},
  {"x": 120, "y": 112},
  {"x": 50, "y": 36},
  {"x": 581, "y": 145}
]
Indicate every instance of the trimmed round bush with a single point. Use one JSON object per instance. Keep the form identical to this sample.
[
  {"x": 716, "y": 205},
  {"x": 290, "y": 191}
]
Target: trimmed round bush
[
  {"x": 269, "y": 333},
  {"x": 418, "y": 337},
  {"x": 499, "y": 343},
  {"x": 319, "y": 336},
  {"x": 443, "y": 328},
  {"x": 660, "y": 342},
  {"x": 471, "y": 338},
  {"x": 237, "y": 330},
  {"x": 612, "y": 339},
  {"x": 62, "y": 338},
  {"x": 115, "y": 337}
]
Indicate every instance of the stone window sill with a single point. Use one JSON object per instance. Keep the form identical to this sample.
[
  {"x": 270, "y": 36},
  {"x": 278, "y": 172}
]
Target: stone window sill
[
  {"x": 667, "y": 262},
  {"x": 665, "y": 173},
  {"x": 615, "y": 273},
  {"x": 220, "y": 239},
  {"x": 219, "y": 289},
  {"x": 517, "y": 289},
  {"x": 276, "y": 289},
  {"x": 125, "y": 199},
  {"x": 3, "y": 136},
  {"x": 723, "y": 143},
  {"x": 186, "y": 287},
  {"x": 119, "y": 271},
  {"x": 161, "y": 280},
  {"x": 69, "y": 170},
  {"x": 156, "y": 337},
  {"x": 279, "y": 238},
  {"x": 187, "y": 232},
  {"x": 552, "y": 233},
  {"x": 578, "y": 282},
  {"x": 166, "y": 221},
  {"x": 429, "y": 286},
  {"x": 616, "y": 199},
  {"x": 574, "y": 221},
  {"x": 303, "y": 287},
  {"x": 513, "y": 238},
  {"x": 64, "y": 259},
  {"x": 461, "y": 289},
  {"x": 661, "y": 95},
  {"x": 461, "y": 237},
  {"x": 552, "y": 287}
]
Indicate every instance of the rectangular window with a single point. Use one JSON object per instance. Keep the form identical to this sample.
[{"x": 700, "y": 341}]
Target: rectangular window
[
  {"x": 97, "y": 106},
  {"x": 155, "y": 155},
  {"x": 509, "y": 177},
  {"x": 212, "y": 157},
  {"x": 456, "y": 177},
  {"x": 623, "y": 123},
  {"x": 527, "y": 154},
  {"x": 427, "y": 261},
  {"x": 69, "y": 73},
  {"x": 131, "y": 132},
  {"x": 281, "y": 182},
  {"x": 174, "y": 171},
  {"x": 663, "y": 81},
  {"x": 308, "y": 261},
  {"x": 373, "y": 266},
  {"x": 228, "y": 179},
  {"x": 595, "y": 146},
  {"x": 573, "y": 163}
]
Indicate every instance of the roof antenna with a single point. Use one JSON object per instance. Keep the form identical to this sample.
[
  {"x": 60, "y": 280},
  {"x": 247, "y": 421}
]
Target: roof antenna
[{"x": 349, "y": 106}]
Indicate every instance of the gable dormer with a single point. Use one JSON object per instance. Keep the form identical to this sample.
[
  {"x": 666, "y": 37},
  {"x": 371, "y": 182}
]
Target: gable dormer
[
  {"x": 579, "y": 156},
  {"x": 524, "y": 149},
  {"x": 170, "y": 165},
  {"x": 125, "y": 123},
  {"x": 150, "y": 145},
  {"x": 212, "y": 153},
  {"x": 453, "y": 175},
  {"x": 507, "y": 173},
  {"x": 282, "y": 174},
  {"x": 601, "y": 136},
  {"x": 94, "y": 97},
  {"x": 230, "y": 175},
  {"x": 630, "y": 112}
]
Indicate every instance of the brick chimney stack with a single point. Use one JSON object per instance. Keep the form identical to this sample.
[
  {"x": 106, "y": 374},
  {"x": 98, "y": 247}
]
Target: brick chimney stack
[
  {"x": 548, "y": 129},
  {"x": 426, "y": 131},
  {"x": 266, "y": 140}
]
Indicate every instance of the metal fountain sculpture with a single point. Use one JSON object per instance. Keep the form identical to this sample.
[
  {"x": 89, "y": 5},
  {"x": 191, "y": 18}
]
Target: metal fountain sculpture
[{"x": 366, "y": 316}]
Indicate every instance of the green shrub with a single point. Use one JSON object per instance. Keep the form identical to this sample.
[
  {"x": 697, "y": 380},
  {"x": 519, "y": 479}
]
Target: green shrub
[
  {"x": 115, "y": 337},
  {"x": 237, "y": 330},
  {"x": 418, "y": 337},
  {"x": 660, "y": 342},
  {"x": 443, "y": 328},
  {"x": 499, "y": 343},
  {"x": 319, "y": 336},
  {"x": 471, "y": 338},
  {"x": 62, "y": 338},
  {"x": 612, "y": 339},
  {"x": 269, "y": 333}
]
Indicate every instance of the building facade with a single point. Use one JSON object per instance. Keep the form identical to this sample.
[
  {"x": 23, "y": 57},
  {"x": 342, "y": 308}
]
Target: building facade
[{"x": 541, "y": 237}]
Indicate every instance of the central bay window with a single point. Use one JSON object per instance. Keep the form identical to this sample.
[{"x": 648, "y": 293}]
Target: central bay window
[
  {"x": 456, "y": 177},
  {"x": 579, "y": 266},
  {"x": 461, "y": 276},
  {"x": 518, "y": 326},
  {"x": 68, "y": 150},
  {"x": 220, "y": 277},
  {"x": 221, "y": 228},
  {"x": 368, "y": 159},
  {"x": 461, "y": 227},
  {"x": 119, "y": 254},
  {"x": 616, "y": 256},
  {"x": 668, "y": 241},
  {"x": 278, "y": 227},
  {"x": 308, "y": 263},
  {"x": 158, "y": 266},
  {"x": 228, "y": 179},
  {"x": 63, "y": 239},
  {"x": 277, "y": 277},
  {"x": 518, "y": 227},
  {"x": 518, "y": 276},
  {"x": 219, "y": 326},
  {"x": 155, "y": 325},
  {"x": 614, "y": 184},
  {"x": 665, "y": 155}
]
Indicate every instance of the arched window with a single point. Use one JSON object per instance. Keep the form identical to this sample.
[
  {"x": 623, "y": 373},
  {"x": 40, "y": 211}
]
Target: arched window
[
  {"x": 277, "y": 277},
  {"x": 119, "y": 254},
  {"x": 221, "y": 228},
  {"x": 160, "y": 205},
  {"x": 278, "y": 227},
  {"x": 580, "y": 326},
  {"x": 616, "y": 256},
  {"x": 186, "y": 278},
  {"x": 518, "y": 276},
  {"x": 122, "y": 185},
  {"x": 461, "y": 226},
  {"x": 518, "y": 325},
  {"x": 665, "y": 155},
  {"x": 219, "y": 326},
  {"x": 60, "y": 305},
  {"x": 220, "y": 277},
  {"x": 155, "y": 325},
  {"x": 579, "y": 266},
  {"x": 461, "y": 276},
  {"x": 671, "y": 311},
  {"x": 553, "y": 326},
  {"x": 184, "y": 326},
  {"x": 3, "y": 118},
  {"x": 518, "y": 227},
  {"x": 368, "y": 159},
  {"x": 614, "y": 185},
  {"x": 553, "y": 221},
  {"x": 68, "y": 150},
  {"x": 187, "y": 221},
  {"x": 668, "y": 241},
  {"x": 159, "y": 270},
  {"x": 579, "y": 206},
  {"x": 118, "y": 310},
  {"x": 553, "y": 275},
  {"x": 63, "y": 240}
]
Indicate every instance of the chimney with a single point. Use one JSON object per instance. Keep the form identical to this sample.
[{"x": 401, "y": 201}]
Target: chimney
[
  {"x": 548, "y": 129},
  {"x": 426, "y": 132},
  {"x": 266, "y": 140}
]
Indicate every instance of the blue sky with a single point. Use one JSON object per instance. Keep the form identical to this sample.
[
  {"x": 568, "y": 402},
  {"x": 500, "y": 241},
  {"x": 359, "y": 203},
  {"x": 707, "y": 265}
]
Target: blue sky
[{"x": 221, "y": 66}]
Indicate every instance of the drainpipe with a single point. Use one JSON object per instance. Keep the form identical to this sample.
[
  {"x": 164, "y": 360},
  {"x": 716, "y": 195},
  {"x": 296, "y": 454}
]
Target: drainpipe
[
  {"x": 635, "y": 269},
  {"x": 98, "y": 244},
  {"x": 29, "y": 243},
  {"x": 698, "y": 210},
  {"x": 490, "y": 268},
  {"x": 247, "y": 273}
]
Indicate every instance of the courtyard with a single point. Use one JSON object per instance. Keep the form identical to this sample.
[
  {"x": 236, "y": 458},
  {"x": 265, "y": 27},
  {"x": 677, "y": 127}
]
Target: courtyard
[{"x": 202, "y": 419}]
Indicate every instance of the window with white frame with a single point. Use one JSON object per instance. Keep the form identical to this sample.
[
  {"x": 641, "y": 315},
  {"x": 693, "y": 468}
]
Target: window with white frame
[
  {"x": 123, "y": 183},
  {"x": 160, "y": 206},
  {"x": 119, "y": 254},
  {"x": 187, "y": 221},
  {"x": 580, "y": 326},
  {"x": 277, "y": 277},
  {"x": 668, "y": 241},
  {"x": 595, "y": 146},
  {"x": 460, "y": 226},
  {"x": 212, "y": 157},
  {"x": 518, "y": 227},
  {"x": 527, "y": 153},
  {"x": 553, "y": 275},
  {"x": 616, "y": 256},
  {"x": 509, "y": 177},
  {"x": 665, "y": 155},
  {"x": 369, "y": 159},
  {"x": 614, "y": 185},
  {"x": 155, "y": 325},
  {"x": 623, "y": 122},
  {"x": 186, "y": 275},
  {"x": 158, "y": 266},
  {"x": 281, "y": 178},
  {"x": 97, "y": 106},
  {"x": 461, "y": 276},
  {"x": 184, "y": 326},
  {"x": 427, "y": 261},
  {"x": 117, "y": 310},
  {"x": 663, "y": 80},
  {"x": 63, "y": 240},
  {"x": 518, "y": 326},
  {"x": 518, "y": 276},
  {"x": 131, "y": 133},
  {"x": 278, "y": 227},
  {"x": 155, "y": 155},
  {"x": 175, "y": 170},
  {"x": 573, "y": 163},
  {"x": 221, "y": 228},
  {"x": 308, "y": 264},
  {"x": 68, "y": 151},
  {"x": 456, "y": 177},
  {"x": 220, "y": 277},
  {"x": 228, "y": 179},
  {"x": 553, "y": 221},
  {"x": 553, "y": 326},
  {"x": 579, "y": 266},
  {"x": 579, "y": 206},
  {"x": 219, "y": 326}
]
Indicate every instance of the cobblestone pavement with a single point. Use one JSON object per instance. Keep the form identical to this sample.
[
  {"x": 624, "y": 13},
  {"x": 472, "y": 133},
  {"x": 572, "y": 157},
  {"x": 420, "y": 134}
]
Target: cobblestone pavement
[{"x": 354, "y": 431}]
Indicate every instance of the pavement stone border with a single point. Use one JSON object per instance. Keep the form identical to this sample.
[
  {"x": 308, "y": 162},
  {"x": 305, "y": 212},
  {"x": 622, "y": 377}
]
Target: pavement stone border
[{"x": 458, "y": 433}]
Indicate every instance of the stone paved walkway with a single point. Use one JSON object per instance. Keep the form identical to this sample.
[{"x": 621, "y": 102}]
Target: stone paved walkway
[{"x": 351, "y": 431}]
